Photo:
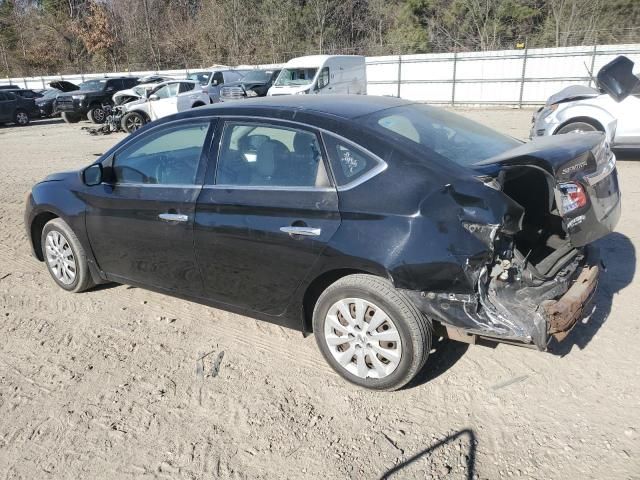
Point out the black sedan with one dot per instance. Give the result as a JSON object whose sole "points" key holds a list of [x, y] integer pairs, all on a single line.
{"points": [[369, 221]]}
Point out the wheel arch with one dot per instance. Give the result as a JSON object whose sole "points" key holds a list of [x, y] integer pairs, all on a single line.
{"points": [[35, 229], [590, 120], [198, 103], [318, 285]]}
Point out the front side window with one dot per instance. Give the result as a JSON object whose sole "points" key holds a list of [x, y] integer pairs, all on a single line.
{"points": [[270, 156], [167, 91], [217, 78], [323, 78], [296, 76], [169, 156]]}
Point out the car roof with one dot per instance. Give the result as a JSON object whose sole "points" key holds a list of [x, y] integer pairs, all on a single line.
{"points": [[345, 106]]}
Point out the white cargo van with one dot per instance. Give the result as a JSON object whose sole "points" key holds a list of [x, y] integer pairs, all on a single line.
{"points": [[322, 74]]}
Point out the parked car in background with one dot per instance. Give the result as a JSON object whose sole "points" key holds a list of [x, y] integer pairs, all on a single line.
{"points": [[27, 93], [139, 91], [322, 74], [165, 99], [255, 83], [45, 103], [16, 109], [9, 87], [282, 218], [212, 80], [90, 98], [579, 109]]}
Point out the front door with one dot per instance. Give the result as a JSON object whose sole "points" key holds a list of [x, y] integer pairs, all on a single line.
{"points": [[265, 216], [140, 223], [166, 103]]}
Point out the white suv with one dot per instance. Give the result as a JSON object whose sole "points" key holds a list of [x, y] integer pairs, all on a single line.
{"points": [[165, 99]]}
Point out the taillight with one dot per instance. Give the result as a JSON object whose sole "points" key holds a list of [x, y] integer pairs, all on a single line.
{"points": [[572, 197]]}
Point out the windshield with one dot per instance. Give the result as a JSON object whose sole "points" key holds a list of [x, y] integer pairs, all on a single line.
{"points": [[259, 76], [93, 85], [451, 136], [296, 76], [201, 77], [51, 93]]}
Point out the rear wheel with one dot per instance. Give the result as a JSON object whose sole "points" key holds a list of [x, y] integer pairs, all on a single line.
{"points": [[65, 257], [70, 117], [577, 127], [97, 114], [21, 118], [132, 121], [371, 333]]}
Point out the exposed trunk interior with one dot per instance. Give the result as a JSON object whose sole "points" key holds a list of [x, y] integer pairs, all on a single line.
{"points": [[542, 242]]}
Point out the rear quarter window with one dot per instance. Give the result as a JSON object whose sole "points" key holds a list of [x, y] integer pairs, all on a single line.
{"points": [[351, 164]]}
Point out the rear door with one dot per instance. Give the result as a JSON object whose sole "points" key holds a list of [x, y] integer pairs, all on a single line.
{"points": [[187, 96], [140, 223], [6, 108], [265, 214], [167, 102]]}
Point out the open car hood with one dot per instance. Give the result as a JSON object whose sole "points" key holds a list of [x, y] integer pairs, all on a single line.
{"points": [[573, 92], [64, 86]]}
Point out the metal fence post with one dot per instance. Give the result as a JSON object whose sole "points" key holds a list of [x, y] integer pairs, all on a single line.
{"points": [[399, 73], [524, 71], [593, 63], [453, 80]]}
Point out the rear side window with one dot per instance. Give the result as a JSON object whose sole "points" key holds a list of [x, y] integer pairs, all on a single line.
{"points": [[129, 82], [261, 155], [350, 163], [186, 87], [169, 156], [3, 97]]}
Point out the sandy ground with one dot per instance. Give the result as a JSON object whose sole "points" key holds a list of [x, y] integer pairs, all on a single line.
{"points": [[121, 382]]}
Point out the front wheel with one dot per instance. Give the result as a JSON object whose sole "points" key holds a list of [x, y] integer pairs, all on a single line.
{"points": [[97, 115], [65, 257], [132, 121], [70, 117], [370, 333], [577, 127]]}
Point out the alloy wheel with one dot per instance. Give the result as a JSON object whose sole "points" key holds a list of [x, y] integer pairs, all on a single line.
{"points": [[22, 118], [60, 257], [133, 123], [362, 338]]}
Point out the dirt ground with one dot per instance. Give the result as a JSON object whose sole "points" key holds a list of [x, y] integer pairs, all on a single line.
{"points": [[121, 382]]}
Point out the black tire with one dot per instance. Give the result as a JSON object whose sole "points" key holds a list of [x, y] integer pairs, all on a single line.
{"points": [[83, 280], [413, 327], [132, 121], [97, 114], [21, 117], [577, 127], [70, 117]]}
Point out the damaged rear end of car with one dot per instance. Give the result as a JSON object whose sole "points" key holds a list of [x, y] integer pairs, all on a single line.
{"points": [[535, 209]]}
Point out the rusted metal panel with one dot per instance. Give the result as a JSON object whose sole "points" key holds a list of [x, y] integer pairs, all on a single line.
{"points": [[563, 314]]}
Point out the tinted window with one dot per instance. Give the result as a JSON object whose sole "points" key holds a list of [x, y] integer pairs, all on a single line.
{"points": [[186, 87], [3, 97], [10, 96], [168, 156], [264, 155], [451, 136], [129, 82], [348, 161], [115, 84], [217, 77]]}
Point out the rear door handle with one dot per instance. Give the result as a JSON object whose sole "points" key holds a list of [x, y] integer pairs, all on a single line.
{"points": [[304, 231], [173, 217]]}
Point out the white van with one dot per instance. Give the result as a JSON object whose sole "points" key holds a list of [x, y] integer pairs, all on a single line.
{"points": [[322, 74]]}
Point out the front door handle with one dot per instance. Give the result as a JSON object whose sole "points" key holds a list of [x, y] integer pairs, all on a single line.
{"points": [[304, 231], [173, 217]]}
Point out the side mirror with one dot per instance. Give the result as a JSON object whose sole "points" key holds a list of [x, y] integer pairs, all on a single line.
{"points": [[92, 175], [214, 83], [154, 97], [616, 78]]}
